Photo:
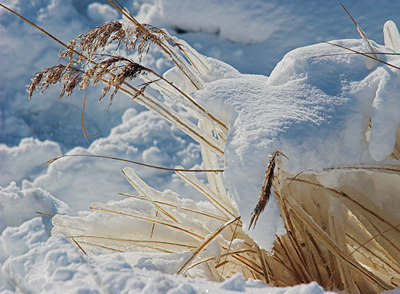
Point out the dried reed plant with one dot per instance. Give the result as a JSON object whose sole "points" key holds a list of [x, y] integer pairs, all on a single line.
{"points": [[354, 250]]}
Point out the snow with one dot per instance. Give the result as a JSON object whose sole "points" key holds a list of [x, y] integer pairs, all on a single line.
{"points": [[38, 263], [304, 107], [26, 201], [310, 105], [101, 13]]}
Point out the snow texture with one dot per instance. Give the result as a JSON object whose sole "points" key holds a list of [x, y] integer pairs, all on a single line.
{"points": [[37, 263], [315, 110]]}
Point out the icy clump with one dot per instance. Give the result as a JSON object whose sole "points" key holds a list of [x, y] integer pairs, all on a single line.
{"points": [[316, 110]]}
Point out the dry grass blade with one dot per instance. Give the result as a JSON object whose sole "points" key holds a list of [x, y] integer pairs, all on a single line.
{"points": [[196, 211], [388, 168], [144, 217], [363, 245], [231, 253], [229, 248], [363, 36], [263, 263], [133, 162], [79, 246], [265, 190], [204, 189], [45, 214], [363, 54], [97, 245], [144, 241], [205, 243], [85, 132], [352, 53]]}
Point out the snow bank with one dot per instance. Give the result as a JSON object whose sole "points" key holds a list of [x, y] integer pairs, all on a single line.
{"points": [[260, 21]]}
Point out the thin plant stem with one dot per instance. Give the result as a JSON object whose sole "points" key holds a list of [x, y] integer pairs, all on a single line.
{"points": [[135, 162]]}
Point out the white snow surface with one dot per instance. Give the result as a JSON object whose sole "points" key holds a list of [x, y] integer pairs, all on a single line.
{"points": [[314, 110]]}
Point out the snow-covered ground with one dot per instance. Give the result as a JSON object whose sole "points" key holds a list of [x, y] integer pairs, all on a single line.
{"points": [[251, 36]]}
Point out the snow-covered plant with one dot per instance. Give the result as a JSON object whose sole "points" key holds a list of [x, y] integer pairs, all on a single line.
{"points": [[336, 230]]}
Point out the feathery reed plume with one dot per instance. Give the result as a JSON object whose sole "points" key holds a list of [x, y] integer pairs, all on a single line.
{"points": [[147, 99], [149, 34], [71, 76], [265, 190], [96, 40], [144, 39], [120, 68]]}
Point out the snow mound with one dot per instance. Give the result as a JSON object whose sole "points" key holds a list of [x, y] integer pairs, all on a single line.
{"points": [[320, 107]]}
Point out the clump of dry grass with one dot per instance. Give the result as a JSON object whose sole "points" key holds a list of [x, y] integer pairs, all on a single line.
{"points": [[353, 249]]}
